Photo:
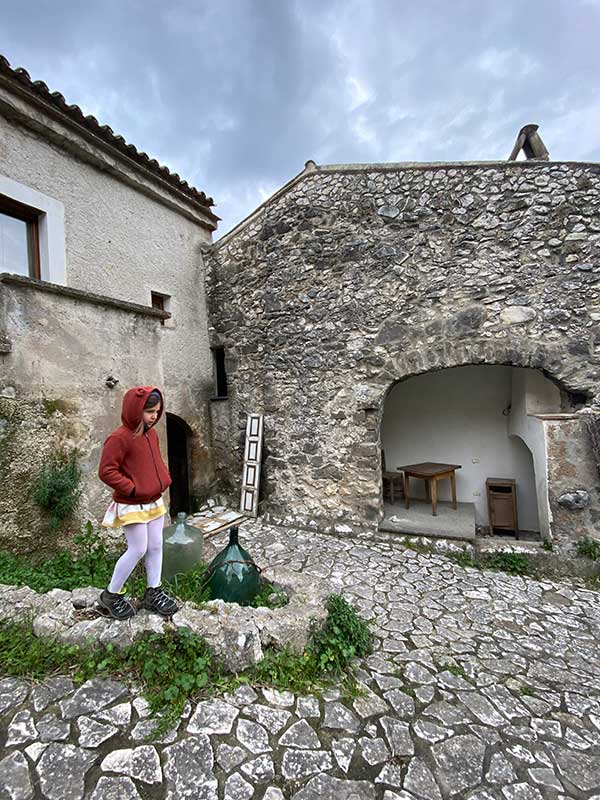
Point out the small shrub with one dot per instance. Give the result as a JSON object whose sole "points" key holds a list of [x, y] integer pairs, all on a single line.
{"points": [[93, 566], [343, 636], [527, 691], [57, 488], [286, 670], [463, 559], [24, 654], [93, 551], [548, 545], [190, 585], [513, 563], [270, 597], [589, 548]]}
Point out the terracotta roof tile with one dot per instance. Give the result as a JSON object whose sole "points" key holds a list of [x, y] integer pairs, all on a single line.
{"points": [[106, 133]]}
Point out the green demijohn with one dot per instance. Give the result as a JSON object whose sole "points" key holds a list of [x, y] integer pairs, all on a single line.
{"points": [[233, 575], [183, 548]]}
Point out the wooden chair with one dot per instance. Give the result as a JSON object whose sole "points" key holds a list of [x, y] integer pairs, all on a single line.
{"points": [[392, 481]]}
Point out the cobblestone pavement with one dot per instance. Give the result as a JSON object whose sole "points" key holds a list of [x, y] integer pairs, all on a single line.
{"points": [[483, 686]]}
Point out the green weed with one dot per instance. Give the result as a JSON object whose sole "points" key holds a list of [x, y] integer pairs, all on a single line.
{"points": [[269, 596], [456, 670], [91, 565], [589, 548], [24, 654], [463, 559], [57, 488], [513, 563], [344, 636], [416, 546]]}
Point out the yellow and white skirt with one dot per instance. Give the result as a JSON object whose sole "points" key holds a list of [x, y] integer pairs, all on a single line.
{"points": [[118, 514]]}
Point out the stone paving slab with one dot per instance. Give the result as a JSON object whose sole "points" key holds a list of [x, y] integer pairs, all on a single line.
{"points": [[482, 686]]}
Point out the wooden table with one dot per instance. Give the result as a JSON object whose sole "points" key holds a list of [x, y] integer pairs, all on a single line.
{"points": [[430, 472]]}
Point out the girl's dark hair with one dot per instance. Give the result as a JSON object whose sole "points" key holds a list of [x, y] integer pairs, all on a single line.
{"points": [[153, 398]]}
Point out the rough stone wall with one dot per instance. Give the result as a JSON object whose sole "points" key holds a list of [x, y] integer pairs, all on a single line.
{"points": [[351, 279], [571, 472], [53, 396], [125, 238]]}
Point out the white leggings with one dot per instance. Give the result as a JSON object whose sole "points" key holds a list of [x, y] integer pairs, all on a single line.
{"points": [[143, 539]]}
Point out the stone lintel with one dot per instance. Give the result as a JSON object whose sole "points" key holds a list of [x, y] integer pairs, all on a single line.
{"points": [[555, 416]]}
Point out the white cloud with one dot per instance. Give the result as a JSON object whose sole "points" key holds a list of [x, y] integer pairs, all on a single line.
{"points": [[504, 63], [358, 91]]}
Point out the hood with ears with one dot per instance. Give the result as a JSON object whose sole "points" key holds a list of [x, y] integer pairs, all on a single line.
{"points": [[133, 405]]}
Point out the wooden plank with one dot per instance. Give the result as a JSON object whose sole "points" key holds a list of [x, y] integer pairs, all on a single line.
{"points": [[210, 526]]}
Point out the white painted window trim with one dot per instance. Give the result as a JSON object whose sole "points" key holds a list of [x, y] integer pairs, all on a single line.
{"points": [[51, 228]]}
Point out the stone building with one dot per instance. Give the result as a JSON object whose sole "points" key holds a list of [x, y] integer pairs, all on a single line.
{"points": [[101, 288], [437, 312], [428, 312]]}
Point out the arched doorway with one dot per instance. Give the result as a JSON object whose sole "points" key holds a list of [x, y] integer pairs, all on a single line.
{"points": [[482, 417], [178, 445]]}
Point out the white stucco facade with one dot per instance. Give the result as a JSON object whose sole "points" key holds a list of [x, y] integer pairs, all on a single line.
{"points": [[110, 227]]}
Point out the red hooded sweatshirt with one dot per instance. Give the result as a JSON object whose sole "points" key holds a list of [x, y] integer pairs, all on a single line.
{"points": [[132, 465]]}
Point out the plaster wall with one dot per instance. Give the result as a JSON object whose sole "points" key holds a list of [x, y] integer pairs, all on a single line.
{"points": [[53, 397], [354, 277], [456, 416], [125, 237], [533, 394], [541, 395]]}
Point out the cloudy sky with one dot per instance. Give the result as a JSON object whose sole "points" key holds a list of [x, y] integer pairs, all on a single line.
{"points": [[236, 95]]}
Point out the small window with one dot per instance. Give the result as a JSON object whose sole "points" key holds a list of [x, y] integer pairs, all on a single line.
{"points": [[162, 302], [219, 371], [19, 238]]}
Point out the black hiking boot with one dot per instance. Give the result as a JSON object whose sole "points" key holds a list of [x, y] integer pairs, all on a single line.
{"points": [[115, 605], [155, 599]]}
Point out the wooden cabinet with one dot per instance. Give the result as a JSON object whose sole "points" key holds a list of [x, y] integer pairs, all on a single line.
{"points": [[502, 505]]}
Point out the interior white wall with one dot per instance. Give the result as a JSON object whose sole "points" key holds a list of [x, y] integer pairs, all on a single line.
{"points": [[532, 393], [541, 395], [456, 416]]}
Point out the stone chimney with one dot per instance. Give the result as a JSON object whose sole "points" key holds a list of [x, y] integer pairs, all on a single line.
{"points": [[531, 143]]}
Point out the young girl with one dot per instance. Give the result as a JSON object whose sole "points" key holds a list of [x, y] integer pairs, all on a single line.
{"points": [[131, 464]]}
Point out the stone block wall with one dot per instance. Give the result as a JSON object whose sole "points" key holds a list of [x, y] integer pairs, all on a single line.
{"points": [[353, 278], [573, 479]]}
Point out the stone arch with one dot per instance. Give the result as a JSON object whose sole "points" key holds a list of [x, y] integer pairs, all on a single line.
{"points": [[552, 361]]}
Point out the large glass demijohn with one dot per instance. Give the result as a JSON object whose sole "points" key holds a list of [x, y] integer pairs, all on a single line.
{"points": [[233, 575], [182, 548]]}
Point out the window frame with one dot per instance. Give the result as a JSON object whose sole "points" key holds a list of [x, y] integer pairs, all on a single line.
{"points": [[10, 207], [161, 302]]}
